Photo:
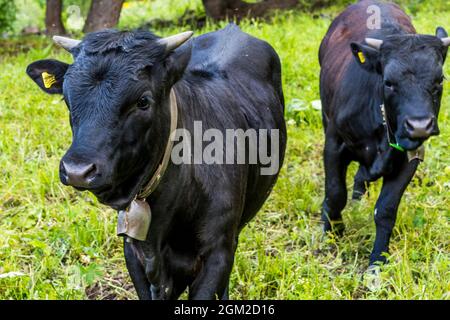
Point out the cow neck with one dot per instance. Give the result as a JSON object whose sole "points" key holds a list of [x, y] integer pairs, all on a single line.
{"points": [[389, 131], [160, 170]]}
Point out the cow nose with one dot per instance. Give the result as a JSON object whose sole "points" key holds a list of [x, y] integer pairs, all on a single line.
{"points": [[77, 174], [420, 128]]}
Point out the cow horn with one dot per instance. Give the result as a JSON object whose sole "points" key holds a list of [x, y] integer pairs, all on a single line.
{"points": [[374, 43], [66, 43], [175, 41], [446, 41]]}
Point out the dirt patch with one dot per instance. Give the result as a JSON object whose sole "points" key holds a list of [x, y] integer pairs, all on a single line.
{"points": [[118, 287]]}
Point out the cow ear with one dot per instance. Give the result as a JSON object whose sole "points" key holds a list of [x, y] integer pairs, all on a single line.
{"points": [[367, 57], [48, 75], [177, 61], [442, 34]]}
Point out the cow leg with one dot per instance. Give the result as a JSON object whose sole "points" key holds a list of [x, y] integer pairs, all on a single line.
{"points": [[360, 184], [336, 163], [161, 283], [386, 208], [182, 265], [212, 280], [226, 294], [137, 272], [179, 286], [146, 266]]}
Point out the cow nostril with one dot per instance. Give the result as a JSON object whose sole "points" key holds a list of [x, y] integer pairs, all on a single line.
{"points": [[90, 171], [419, 128], [430, 125], [78, 175], [409, 126], [62, 168]]}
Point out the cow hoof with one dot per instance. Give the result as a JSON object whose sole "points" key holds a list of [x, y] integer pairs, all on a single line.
{"points": [[334, 228], [372, 278]]}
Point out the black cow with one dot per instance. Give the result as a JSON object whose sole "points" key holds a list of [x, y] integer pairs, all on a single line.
{"points": [[118, 91], [365, 73]]}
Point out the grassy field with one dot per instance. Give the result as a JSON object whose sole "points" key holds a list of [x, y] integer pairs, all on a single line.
{"points": [[57, 243]]}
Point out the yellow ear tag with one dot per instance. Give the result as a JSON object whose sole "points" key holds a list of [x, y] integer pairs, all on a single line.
{"points": [[49, 79], [361, 56]]}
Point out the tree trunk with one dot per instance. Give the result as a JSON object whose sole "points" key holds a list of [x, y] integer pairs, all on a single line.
{"points": [[215, 9], [221, 9], [103, 14], [53, 22]]}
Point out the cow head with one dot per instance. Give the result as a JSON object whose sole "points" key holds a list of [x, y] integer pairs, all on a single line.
{"points": [[117, 92], [411, 68]]}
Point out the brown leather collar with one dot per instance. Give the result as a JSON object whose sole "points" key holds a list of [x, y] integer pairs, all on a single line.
{"points": [[134, 222], [154, 181]]}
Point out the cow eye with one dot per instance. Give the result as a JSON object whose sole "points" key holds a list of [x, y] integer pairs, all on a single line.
{"points": [[437, 90], [389, 85], [144, 102], [438, 86]]}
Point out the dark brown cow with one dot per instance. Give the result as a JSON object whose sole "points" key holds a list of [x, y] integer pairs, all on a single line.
{"points": [[381, 91]]}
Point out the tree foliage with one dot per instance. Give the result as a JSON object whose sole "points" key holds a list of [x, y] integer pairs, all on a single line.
{"points": [[7, 15]]}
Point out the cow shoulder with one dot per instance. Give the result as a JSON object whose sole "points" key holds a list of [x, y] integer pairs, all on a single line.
{"points": [[231, 51]]}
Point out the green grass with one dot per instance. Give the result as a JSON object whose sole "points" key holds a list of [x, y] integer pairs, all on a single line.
{"points": [[62, 244]]}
